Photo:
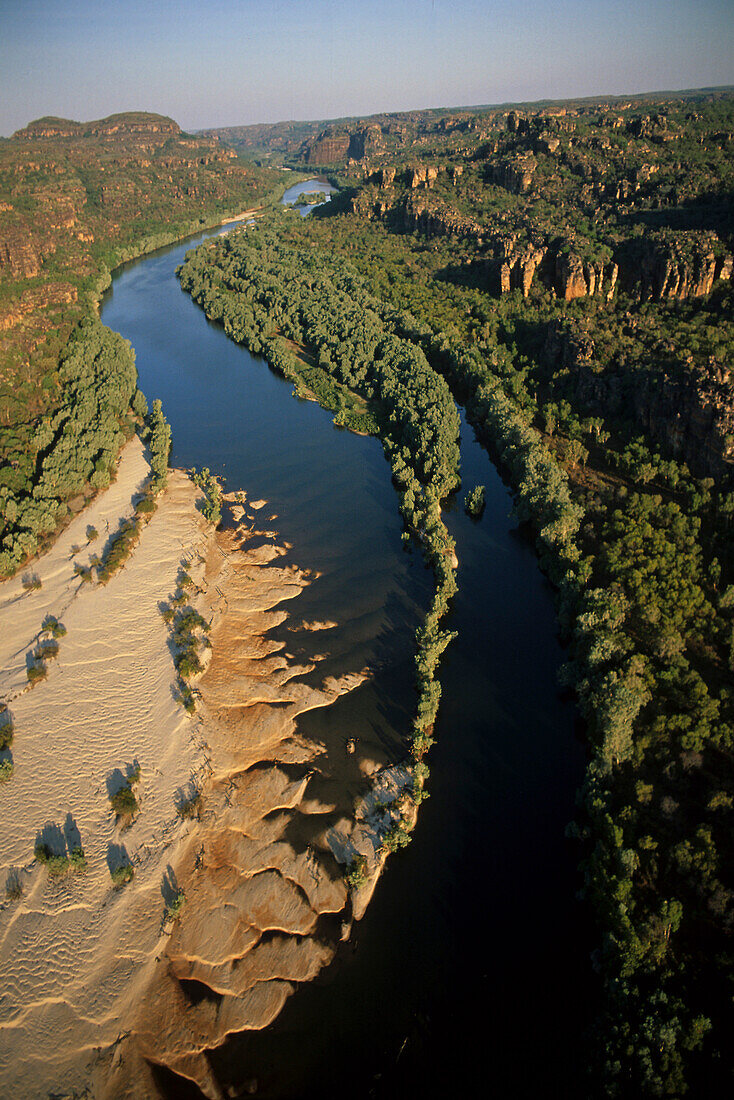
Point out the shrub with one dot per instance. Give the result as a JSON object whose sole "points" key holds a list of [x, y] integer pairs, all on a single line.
{"points": [[397, 836], [124, 802], [188, 700], [190, 807], [355, 875], [7, 729], [175, 906], [122, 874], [36, 673], [92, 533], [6, 769], [47, 650], [52, 625], [474, 502], [78, 859], [146, 506], [187, 665], [14, 886], [32, 583], [41, 852], [56, 864]]}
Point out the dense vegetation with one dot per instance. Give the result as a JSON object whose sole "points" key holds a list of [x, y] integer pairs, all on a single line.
{"points": [[76, 200], [579, 305], [565, 274], [308, 315]]}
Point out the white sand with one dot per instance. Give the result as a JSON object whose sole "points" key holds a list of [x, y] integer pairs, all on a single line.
{"points": [[94, 979], [75, 951]]}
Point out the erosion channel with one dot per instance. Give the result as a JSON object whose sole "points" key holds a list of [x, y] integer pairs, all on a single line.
{"points": [[471, 964]]}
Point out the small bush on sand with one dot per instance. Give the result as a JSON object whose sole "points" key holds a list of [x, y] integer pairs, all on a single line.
{"points": [[355, 875], [146, 506], [51, 625], [13, 886], [175, 906], [47, 650], [36, 673], [55, 864], [189, 807], [7, 729], [124, 802], [31, 582], [78, 859], [122, 874], [187, 665], [92, 533], [6, 770], [188, 699]]}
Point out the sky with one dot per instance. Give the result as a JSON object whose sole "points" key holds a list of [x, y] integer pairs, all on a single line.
{"points": [[213, 63]]}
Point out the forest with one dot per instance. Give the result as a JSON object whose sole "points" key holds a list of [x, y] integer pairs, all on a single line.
{"points": [[610, 414], [564, 274], [76, 201]]}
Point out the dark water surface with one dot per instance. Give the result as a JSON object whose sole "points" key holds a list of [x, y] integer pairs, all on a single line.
{"points": [[469, 974]]}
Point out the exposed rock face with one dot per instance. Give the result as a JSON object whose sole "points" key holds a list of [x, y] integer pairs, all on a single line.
{"points": [[694, 416], [546, 143], [691, 412], [383, 177], [49, 127], [576, 278], [333, 145], [423, 175], [131, 122], [514, 173], [415, 216], [682, 265], [519, 264], [53, 294], [19, 256]]}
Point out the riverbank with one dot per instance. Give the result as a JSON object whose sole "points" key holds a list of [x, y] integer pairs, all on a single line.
{"points": [[95, 949], [75, 949]]}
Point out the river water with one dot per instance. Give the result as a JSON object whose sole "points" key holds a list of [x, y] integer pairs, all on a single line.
{"points": [[470, 971]]}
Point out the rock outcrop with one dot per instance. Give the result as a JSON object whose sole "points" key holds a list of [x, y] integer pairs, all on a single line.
{"points": [[514, 173], [682, 265], [518, 265], [689, 410], [577, 278], [19, 254], [421, 176], [332, 146]]}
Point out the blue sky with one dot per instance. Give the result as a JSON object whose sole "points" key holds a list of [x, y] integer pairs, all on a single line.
{"points": [[228, 62]]}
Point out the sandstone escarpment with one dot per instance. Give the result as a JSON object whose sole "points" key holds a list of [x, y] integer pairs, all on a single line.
{"points": [[682, 265], [128, 122], [334, 145], [518, 265], [514, 173], [432, 219], [267, 903], [19, 254], [577, 278], [688, 410]]}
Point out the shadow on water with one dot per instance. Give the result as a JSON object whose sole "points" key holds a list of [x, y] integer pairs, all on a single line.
{"points": [[470, 970]]}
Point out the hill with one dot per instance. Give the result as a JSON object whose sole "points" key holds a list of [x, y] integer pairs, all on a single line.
{"points": [[76, 200]]}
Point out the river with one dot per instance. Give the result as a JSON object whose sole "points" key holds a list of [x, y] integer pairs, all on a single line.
{"points": [[470, 970]]}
